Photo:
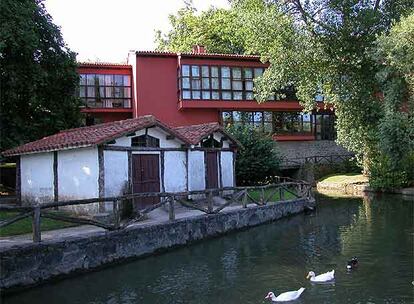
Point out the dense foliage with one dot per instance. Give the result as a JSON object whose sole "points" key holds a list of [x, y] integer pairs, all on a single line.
{"points": [[340, 49], [251, 169], [38, 75]]}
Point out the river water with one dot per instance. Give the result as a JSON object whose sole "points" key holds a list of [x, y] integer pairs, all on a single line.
{"points": [[242, 267]]}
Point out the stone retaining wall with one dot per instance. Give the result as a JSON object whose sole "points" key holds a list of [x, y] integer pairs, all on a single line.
{"points": [[31, 264]]}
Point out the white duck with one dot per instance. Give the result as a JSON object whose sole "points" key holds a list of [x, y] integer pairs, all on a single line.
{"points": [[286, 296], [324, 277]]}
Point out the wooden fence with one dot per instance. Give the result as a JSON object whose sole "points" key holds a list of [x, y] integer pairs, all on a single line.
{"points": [[258, 195]]}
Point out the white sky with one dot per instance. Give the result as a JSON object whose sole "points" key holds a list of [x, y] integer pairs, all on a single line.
{"points": [[106, 30]]}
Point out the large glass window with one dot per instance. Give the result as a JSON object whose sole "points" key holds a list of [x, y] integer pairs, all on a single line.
{"points": [[105, 91], [321, 125], [219, 82]]}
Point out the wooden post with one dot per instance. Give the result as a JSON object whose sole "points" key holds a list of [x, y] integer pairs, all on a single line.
{"points": [[281, 194], [36, 224], [210, 202], [116, 214], [244, 200], [262, 197], [171, 210]]}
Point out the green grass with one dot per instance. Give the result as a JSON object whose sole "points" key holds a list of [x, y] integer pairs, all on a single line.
{"points": [[347, 178], [25, 225], [256, 194]]}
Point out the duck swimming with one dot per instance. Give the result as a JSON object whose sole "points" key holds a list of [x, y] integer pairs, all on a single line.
{"points": [[352, 264], [324, 277], [286, 296]]}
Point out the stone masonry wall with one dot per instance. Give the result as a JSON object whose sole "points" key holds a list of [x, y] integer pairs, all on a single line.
{"points": [[301, 149], [31, 264]]}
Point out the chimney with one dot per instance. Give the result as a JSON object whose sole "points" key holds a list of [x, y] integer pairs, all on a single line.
{"points": [[199, 48]]}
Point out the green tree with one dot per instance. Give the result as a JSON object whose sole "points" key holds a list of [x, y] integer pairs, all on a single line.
{"points": [[38, 75], [251, 169], [215, 29]]}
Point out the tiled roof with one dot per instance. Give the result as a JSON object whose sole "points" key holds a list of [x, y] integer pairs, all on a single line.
{"points": [[90, 136], [199, 55], [195, 133]]}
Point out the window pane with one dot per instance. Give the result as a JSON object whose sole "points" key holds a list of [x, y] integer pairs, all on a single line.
{"points": [[214, 71], [196, 94], [205, 71], [267, 116], [127, 103], [101, 92], [258, 72], [91, 91], [195, 84], [249, 96], [127, 92], [195, 70], [90, 79], [185, 83], [82, 79], [109, 92], [248, 85], [225, 72], [225, 84], [237, 116], [119, 80], [186, 95], [268, 127], [237, 95], [236, 73], [227, 117], [118, 92], [101, 79], [185, 70], [258, 116], [237, 85], [127, 80], [109, 80], [215, 95], [248, 73], [206, 83], [215, 83], [82, 91], [226, 95], [306, 117], [206, 94]]}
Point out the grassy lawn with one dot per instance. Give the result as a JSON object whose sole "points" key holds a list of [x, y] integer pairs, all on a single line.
{"points": [[347, 178], [25, 225], [256, 194]]}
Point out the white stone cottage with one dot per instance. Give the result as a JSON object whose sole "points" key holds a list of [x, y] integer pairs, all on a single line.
{"points": [[129, 156]]}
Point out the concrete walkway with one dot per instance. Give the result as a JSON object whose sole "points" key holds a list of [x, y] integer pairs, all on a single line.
{"points": [[155, 217]]}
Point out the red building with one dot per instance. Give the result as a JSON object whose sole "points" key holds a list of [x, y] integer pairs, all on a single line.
{"points": [[192, 88]]}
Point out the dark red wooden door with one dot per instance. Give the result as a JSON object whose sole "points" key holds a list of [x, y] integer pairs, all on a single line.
{"points": [[212, 172], [145, 178]]}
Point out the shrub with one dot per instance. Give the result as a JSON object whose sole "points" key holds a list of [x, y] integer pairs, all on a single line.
{"points": [[258, 160]]}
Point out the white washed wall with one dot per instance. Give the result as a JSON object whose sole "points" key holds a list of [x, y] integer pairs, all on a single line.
{"points": [[154, 132], [37, 177], [227, 169], [196, 171], [175, 171], [78, 172], [116, 172]]}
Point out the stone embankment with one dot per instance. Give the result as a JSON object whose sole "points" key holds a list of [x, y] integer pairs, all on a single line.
{"points": [[30, 263]]}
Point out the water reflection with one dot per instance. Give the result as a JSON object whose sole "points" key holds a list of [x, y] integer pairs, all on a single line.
{"points": [[242, 267]]}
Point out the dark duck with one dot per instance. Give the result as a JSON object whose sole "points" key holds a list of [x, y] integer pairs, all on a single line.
{"points": [[352, 264]]}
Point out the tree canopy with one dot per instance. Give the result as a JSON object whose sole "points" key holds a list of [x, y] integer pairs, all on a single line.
{"points": [[38, 75], [344, 50]]}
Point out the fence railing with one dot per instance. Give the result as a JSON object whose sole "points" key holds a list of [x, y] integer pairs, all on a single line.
{"points": [[316, 159], [240, 196]]}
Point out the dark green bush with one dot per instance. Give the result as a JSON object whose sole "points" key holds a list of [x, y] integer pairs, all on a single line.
{"points": [[258, 160]]}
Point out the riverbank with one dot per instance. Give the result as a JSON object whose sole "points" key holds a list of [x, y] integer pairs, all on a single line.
{"points": [[353, 184], [26, 264]]}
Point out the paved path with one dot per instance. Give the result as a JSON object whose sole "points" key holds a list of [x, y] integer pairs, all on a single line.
{"points": [[155, 217]]}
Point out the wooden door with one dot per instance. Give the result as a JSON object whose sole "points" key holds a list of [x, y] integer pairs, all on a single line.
{"points": [[212, 170], [145, 178]]}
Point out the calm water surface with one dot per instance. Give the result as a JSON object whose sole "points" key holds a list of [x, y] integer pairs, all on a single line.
{"points": [[242, 267]]}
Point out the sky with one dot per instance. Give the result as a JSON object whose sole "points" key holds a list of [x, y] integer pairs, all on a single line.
{"points": [[105, 30]]}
